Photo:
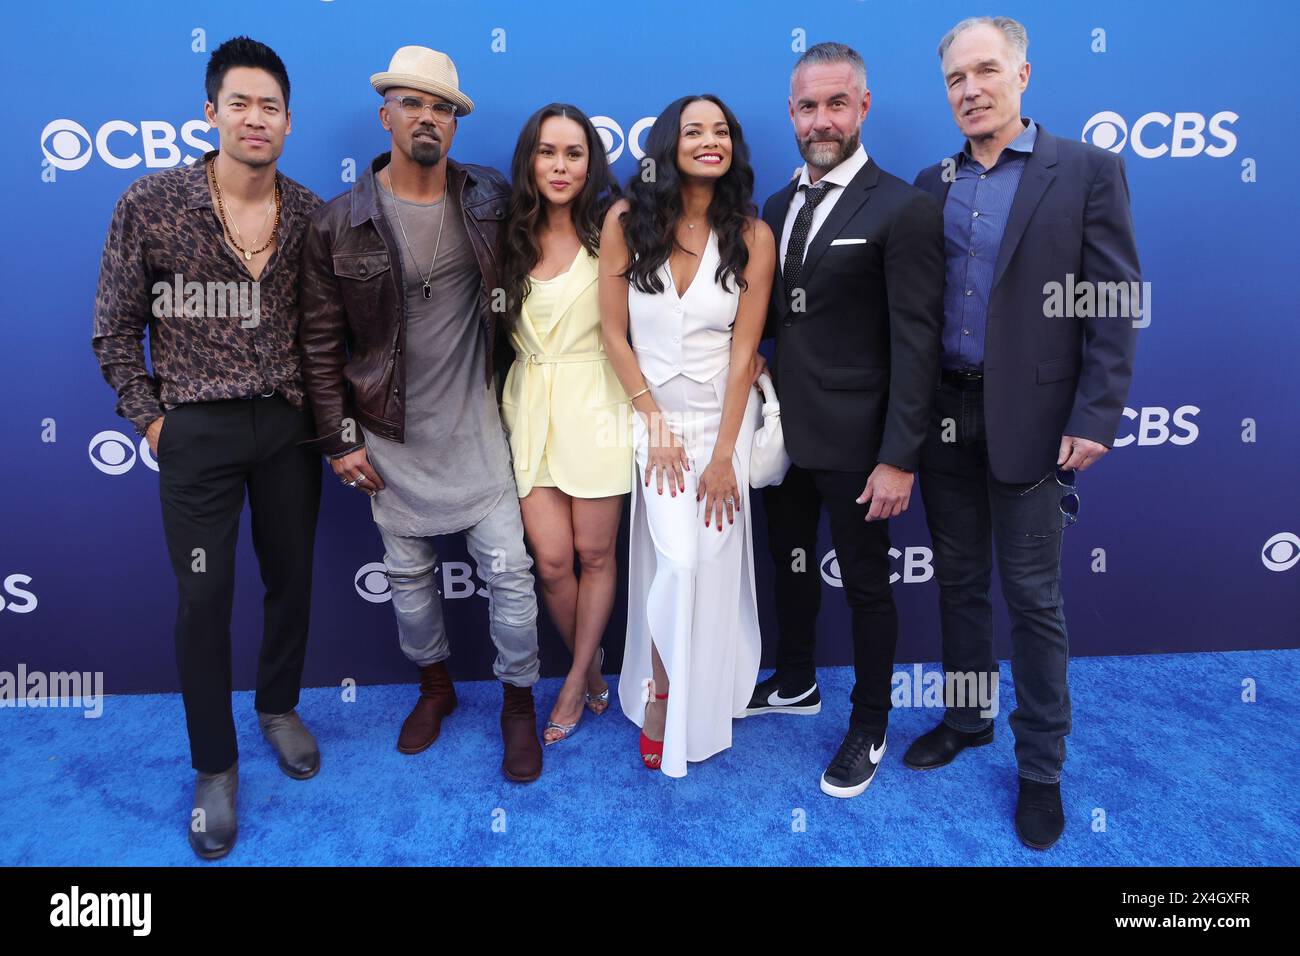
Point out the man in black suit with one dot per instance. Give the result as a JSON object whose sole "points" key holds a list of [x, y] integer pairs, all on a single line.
{"points": [[856, 310], [1028, 397]]}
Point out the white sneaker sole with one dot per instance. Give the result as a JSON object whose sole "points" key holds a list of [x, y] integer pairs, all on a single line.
{"points": [[804, 711], [831, 790]]}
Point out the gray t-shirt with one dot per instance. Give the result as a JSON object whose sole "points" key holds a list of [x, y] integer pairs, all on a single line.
{"points": [[455, 463]]}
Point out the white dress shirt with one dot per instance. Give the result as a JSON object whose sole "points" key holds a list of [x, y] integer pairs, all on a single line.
{"points": [[841, 176]]}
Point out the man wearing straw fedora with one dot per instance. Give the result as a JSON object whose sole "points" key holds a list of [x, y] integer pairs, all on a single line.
{"points": [[398, 278]]}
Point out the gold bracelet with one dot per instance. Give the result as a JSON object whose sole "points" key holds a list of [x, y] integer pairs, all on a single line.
{"points": [[632, 398]]}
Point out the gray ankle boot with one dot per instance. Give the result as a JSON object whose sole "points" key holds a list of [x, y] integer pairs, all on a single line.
{"points": [[293, 743], [213, 822]]}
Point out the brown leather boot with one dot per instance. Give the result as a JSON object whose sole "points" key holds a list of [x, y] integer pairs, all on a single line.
{"points": [[523, 759], [437, 700]]}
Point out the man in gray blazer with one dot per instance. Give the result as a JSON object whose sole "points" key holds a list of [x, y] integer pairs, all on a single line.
{"points": [[1032, 388]]}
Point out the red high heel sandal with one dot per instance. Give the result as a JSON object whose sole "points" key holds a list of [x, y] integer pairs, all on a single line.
{"points": [[652, 751]]}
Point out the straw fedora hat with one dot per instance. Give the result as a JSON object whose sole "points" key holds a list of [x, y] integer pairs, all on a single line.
{"points": [[426, 70]]}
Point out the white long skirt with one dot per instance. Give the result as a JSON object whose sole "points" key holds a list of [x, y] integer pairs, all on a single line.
{"points": [[690, 587]]}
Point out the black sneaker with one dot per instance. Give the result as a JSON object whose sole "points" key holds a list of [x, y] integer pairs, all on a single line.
{"points": [[854, 765], [771, 698]]}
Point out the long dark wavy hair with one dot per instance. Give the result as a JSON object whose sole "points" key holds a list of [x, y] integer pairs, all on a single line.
{"points": [[527, 206], [650, 224]]}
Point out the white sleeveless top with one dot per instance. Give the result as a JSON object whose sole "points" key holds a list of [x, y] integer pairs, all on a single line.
{"points": [[688, 335]]}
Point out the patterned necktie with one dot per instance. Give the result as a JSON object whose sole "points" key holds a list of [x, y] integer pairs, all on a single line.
{"points": [[799, 234]]}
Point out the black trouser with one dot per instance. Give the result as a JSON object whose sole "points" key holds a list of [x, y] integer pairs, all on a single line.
{"points": [[972, 517], [208, 453], [862, 551]]}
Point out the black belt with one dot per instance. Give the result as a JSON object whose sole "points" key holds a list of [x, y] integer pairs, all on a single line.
{"points": [[169, 406], [965, 379]]}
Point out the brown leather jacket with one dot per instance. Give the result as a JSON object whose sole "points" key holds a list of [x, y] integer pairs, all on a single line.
{"points": [[353, 326]]}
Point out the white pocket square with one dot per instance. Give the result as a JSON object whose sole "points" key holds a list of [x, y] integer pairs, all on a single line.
{"points": [[847, 242]]}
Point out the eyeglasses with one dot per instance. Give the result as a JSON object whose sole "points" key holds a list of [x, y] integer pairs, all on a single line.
{"points": [[414, 108], [1067, 479]]}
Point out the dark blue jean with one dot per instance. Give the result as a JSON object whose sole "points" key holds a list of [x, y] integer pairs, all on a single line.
{"points": [[973, 518]]}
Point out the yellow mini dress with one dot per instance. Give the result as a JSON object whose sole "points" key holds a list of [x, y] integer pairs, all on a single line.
{"points": [[562, 406]]}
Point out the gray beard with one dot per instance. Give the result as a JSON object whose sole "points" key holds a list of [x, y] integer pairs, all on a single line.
{"points": [[846, 149]]}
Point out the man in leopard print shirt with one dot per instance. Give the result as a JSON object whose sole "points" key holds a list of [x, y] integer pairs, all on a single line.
{"points": [[206, 258]]}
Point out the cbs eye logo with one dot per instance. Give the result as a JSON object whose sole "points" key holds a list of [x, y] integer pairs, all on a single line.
{"points": [[115, 454], [371, 582], [611, 134], [918, 566], [66, 144], [453, 579], [831, 569], [1182, 134], [1106, 130], [1281, 552], [157, 144]]}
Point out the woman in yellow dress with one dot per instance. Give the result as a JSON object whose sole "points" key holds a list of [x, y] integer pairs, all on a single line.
{"points": [[562, 405]]}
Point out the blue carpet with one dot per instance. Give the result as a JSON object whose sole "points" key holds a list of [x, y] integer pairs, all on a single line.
{"points": [[1184, 771]]}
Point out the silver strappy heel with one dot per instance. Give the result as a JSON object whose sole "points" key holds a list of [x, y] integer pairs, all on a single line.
{"points": [[603, 696], [566, 731]]}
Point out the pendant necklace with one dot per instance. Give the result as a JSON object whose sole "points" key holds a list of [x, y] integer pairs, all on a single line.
{"points": [[428, 289], [249, 252]]}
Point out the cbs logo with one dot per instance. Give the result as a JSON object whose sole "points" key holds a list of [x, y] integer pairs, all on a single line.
{"points": [[611, 134], [1184, 134], [1154, 426], [68, 145], [917, 567], [115, 454], [372, 584], [1281, 552], [25, 600]]}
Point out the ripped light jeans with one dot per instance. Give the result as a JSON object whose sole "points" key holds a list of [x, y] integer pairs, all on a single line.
{"points": [[497, 546]]}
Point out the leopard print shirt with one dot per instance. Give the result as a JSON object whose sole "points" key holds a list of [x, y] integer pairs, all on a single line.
{"points": [[214, 332]]}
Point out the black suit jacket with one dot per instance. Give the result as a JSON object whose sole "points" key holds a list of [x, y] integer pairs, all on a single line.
{"points": [[1047, 377], [856, 368]]}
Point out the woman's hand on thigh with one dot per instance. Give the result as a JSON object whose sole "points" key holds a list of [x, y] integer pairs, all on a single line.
{"points": [[719, 491]]}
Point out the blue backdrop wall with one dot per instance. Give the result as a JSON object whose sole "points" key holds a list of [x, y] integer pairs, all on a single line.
{"points": [[1188, 535]]}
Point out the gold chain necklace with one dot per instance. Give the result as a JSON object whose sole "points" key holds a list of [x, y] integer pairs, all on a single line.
{"points": [[226, 224]]}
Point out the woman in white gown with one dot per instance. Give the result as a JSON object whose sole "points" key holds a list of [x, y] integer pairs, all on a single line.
{"points": [[686, 268]]}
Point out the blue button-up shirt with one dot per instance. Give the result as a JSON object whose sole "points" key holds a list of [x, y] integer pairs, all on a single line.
{"points": [[974, 219]]}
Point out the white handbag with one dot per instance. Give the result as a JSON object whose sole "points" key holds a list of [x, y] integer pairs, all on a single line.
{"points": [[768, 461]]}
